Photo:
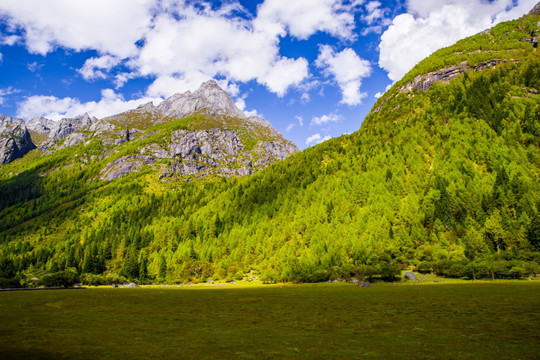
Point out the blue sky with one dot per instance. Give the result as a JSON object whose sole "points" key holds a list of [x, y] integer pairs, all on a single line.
{"points": [[313, 68]]}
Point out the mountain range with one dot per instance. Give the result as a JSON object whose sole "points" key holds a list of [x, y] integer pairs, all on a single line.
{"points": [[442, 177]]}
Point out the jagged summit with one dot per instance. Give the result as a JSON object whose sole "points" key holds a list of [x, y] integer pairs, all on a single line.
{"points": [[15, 139], [209, 99]]}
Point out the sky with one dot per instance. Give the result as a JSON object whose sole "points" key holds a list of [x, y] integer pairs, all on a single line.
{"points": [[313, 68]]}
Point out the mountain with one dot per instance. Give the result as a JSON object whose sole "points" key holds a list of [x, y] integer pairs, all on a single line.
{"points": [[15, 139], [192, 134], [442, 177]]}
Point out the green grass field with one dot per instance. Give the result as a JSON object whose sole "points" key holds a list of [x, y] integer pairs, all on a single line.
{"points": [[498, 320]]}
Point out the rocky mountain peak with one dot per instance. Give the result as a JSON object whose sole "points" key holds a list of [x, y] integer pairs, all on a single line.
{"points": [[15, 140], [208, 99]]}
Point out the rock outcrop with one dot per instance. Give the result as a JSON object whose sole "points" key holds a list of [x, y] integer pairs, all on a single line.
{"points": [[425, 81], [65, 127], [209, 99], [15, 139]]}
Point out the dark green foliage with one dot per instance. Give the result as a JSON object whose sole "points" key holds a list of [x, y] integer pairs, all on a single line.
{"points": [[66, 279]]}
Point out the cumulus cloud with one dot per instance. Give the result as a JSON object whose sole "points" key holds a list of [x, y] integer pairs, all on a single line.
{"points": [[95, 67], [316, 139], [431, 25], [107, 26], [324, 119], [222, 46], [55, 108], [347, 69], [300, 120], [303, 18]]}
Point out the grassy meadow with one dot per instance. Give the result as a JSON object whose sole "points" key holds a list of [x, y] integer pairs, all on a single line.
{"points": [[499, 320]]}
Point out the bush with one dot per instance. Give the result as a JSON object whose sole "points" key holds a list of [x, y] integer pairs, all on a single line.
{"points": [[318, 276], [425, 267], [115, 279], [455, 270], [95, 280], [477, 270], [65, 279], [517, 272]]}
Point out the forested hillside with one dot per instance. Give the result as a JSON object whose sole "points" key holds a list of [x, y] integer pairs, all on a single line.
{"points": [[442, 177]]}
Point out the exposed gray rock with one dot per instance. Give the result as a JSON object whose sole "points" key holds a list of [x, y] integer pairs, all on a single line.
{"points": [[208, 99], [15, 139], [276, 149], [425, 81], [364, 284], [66, 126], [409, 276], [41, 125], [101, 126], [73, 139], [125, 165]]}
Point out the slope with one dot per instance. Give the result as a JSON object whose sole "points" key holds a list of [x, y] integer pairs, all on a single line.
{"points": [[442, 177]]}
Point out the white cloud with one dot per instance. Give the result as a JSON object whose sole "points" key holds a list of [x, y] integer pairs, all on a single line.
{"points": [[303, 18], [121, 78], [9, 39], [300, 120], [348, 70], [7, 91], [250, 113], [222, 46], [55, 108], [92, 68], [431, 25], [324, 119], [290, 127], [1, 57], [34, 66], [316, 139], [374, 12], [107, 26]]}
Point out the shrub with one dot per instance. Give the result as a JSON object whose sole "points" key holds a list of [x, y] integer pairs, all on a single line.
{"points": [[66, 279], [425, 267], [455, 270], [517, 272]]}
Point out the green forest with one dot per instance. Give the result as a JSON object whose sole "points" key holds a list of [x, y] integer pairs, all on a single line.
{"points": [[444, 181]]}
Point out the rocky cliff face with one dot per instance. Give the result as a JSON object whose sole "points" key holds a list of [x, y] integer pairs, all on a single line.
{"points": [[425, 81], [15, 139]]}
